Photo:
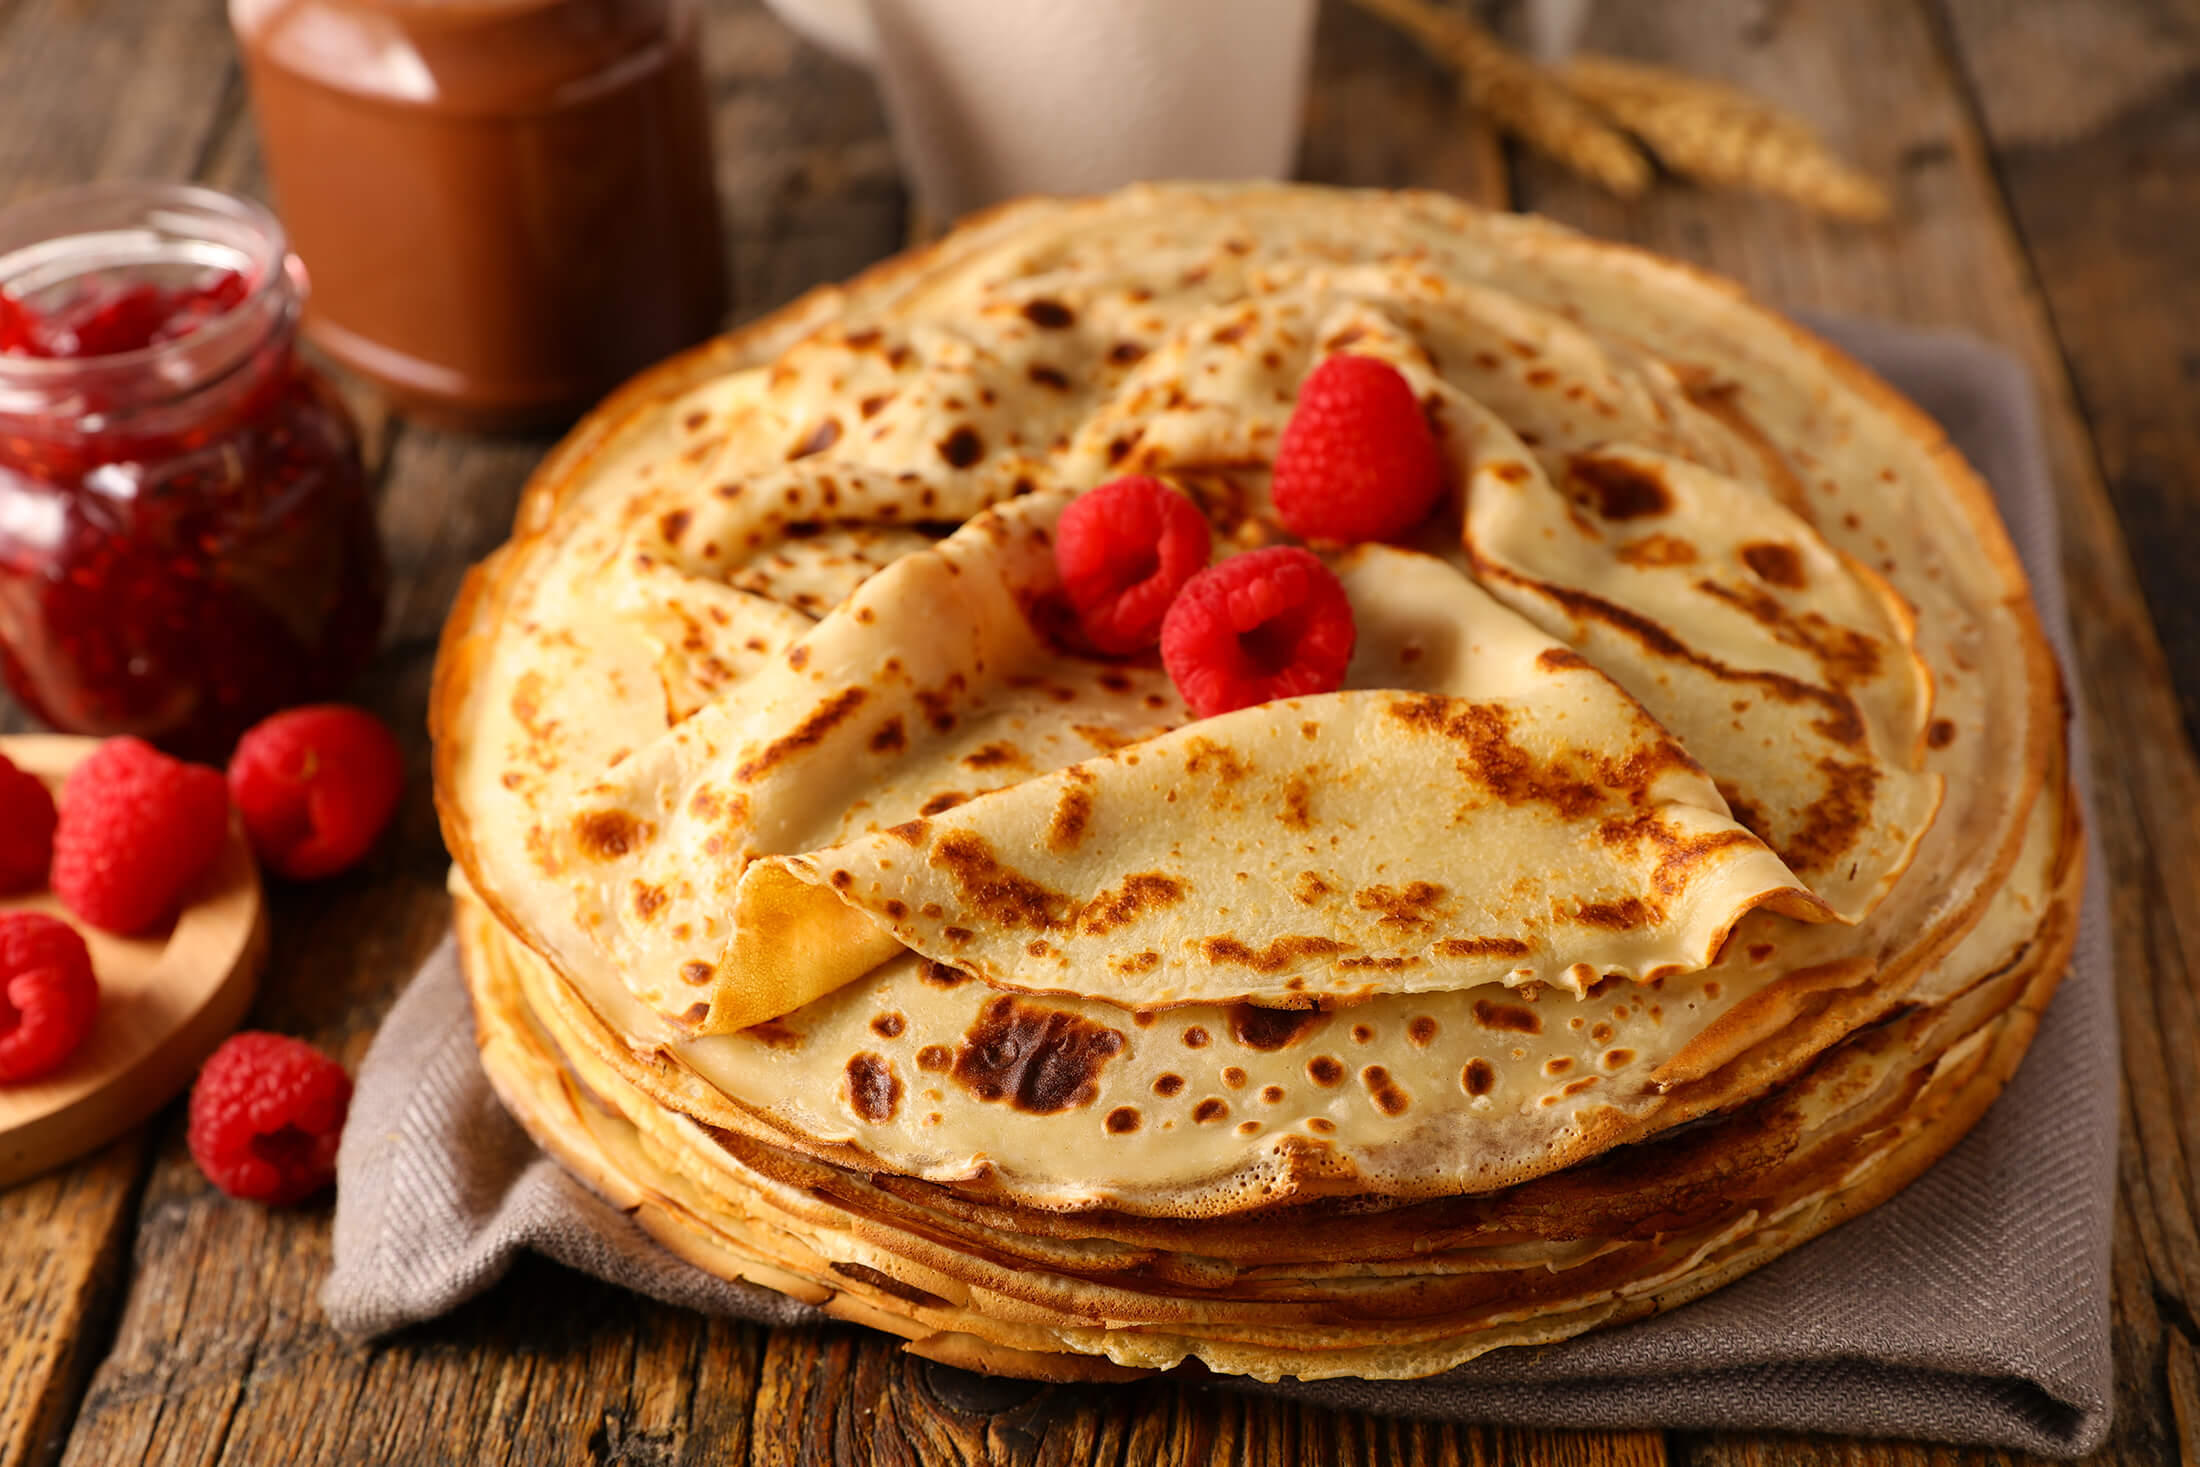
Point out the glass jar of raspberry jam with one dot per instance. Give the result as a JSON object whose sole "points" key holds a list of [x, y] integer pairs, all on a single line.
{"points": [[187, 541]]}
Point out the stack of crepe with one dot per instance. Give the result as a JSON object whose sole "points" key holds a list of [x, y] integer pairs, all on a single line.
{"points": [[1682, 867]]}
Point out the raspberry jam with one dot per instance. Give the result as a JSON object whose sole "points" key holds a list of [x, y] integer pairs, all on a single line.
{"points": [[187, 542]]}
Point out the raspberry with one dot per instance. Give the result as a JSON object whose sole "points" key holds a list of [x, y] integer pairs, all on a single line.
{"points": [[1125, 549], [315, 786], [48, 996], [1357, 461], [1267, 624], [26, 829], [266, 1115], [137, 831]]}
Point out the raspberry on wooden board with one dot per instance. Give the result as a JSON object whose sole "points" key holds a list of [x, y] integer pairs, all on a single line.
{"points": [[26, 829], [137, 830], [48, 995]]}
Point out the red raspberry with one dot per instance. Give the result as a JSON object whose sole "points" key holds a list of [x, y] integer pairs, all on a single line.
{"points": [[1125, 549], [266, 1115], [48, 996], [315, 787], [1357, 461], [137, 831], [26, 829], [1267, 624]]}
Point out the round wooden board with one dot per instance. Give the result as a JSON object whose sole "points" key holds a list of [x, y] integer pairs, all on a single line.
{"points": [[165, 999]]}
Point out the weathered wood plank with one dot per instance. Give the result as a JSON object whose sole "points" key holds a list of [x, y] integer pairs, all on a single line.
{"points": [[67, 1235], [2092, 114], [1876, 78], [62, 65]]}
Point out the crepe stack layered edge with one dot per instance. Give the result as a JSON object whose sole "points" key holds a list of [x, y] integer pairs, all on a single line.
{"points": [[1682, 868]]}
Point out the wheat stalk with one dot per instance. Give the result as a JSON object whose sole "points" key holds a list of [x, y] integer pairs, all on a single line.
{"points": [[1722, 135], [1520, 97]]}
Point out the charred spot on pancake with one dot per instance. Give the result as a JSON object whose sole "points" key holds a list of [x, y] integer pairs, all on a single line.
{"points": [[942, 975], [1405, 907], [1481, 947], [1119, 447], [1614, 1058], [1213, 1108], [1271, 1095], [1297, 803], [1123, 1120], [962, 448], [1039, 1060], [1513, 1017], [774, 1035], [911, 832], [1049, 315], [1614, 488], [888, 1025], [1140, 893], [1167, 1085], [870, 406], [1846, 655], [1049, 377], [818, 439], [1422, 1030], [1269, 1030], [841, 878], [695, 1014], [942, 802], [999, 754], [1559, 659], [1558, 1065], [1363, 1034], [606, 835], [696, 971], [889, 737], [1196, 1037], [936, 1058], [1508, 771], [1234, 1077], [1003, 896], [1624, 915], [1479, 1077], [807, 734], [1205, 756], [648, 899], [1072, 816], [874, 1090], [1310, 889], [1325, 1070], [1775, 562], [1512, 471], [672, 524], [1321, 1125], [1126, 354], [1131, 964], [1940, 733], [1832, 823], [1279, 954], [1656, 550], [1389, 1097]]}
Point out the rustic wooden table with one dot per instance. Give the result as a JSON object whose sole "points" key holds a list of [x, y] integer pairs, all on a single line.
{"points": [[2046, 161]]}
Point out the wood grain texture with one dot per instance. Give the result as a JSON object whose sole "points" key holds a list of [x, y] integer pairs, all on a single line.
{"points": [[165, 999], [198, 1314]]}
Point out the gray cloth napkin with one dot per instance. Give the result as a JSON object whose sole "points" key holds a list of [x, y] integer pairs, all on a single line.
{"points": [[1971, 1307]]}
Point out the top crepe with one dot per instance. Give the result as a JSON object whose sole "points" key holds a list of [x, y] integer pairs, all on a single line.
{"points": [[1716, 675]]}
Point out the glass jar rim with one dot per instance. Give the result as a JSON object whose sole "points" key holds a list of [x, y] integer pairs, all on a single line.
{"points": [[122, 223], [34, 236]]}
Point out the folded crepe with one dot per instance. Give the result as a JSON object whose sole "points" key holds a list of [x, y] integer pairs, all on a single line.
{"points": [[1699, 765]]}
